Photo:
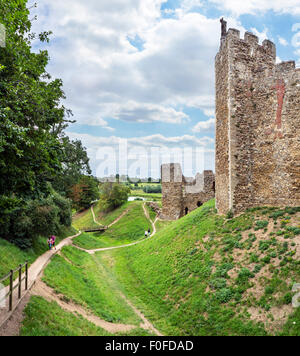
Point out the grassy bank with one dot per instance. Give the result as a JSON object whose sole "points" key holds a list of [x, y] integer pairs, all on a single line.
{"points": [[201, 275], [12, 256], [129, 228], [210, 276]]}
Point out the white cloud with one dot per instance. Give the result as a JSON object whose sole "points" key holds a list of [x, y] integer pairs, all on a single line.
{"points": [[239, 7], [160, 148], [261, 35], [203, 126], [283, 41], [144, 113], [106, 77]]}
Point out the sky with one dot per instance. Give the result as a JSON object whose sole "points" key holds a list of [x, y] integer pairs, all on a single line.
{"points": [[139, 74]]}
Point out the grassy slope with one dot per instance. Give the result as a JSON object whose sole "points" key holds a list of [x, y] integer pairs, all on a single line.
{"points": [[130, 228], [202, 275], [48, 319], [107, 218], [81, 279], [11, 256], [84, 220], [86, 283]]}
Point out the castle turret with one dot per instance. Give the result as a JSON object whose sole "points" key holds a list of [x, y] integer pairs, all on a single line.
{"points": [[172, 183], [257, 104]]}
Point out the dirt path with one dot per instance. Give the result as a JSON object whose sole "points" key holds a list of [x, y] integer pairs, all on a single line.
{"points": [[10, 321], [146, 325], [33, 273], [41, 289], [94, 217], [111, 224]]}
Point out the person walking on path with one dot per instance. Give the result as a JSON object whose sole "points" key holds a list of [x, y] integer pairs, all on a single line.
{"points": [[53, 238], [49, 243], [146, 233], [149, 231]]}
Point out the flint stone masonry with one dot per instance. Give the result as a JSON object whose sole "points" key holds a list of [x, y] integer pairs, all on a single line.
{"points": [[181, 195], [257, 126]]}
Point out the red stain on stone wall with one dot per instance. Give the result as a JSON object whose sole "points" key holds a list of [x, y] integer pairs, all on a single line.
{"points": [[276, 129]]}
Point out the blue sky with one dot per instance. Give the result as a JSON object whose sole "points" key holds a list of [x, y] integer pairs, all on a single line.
{"points": [[143, 70]]}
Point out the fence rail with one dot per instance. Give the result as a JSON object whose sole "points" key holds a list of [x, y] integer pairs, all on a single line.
{"points": [[10, 276], [95, 229]]}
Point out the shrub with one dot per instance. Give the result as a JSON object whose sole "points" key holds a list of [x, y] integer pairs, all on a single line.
{"points": [[261, 224], [113, 195], [152, 188], [229, 214], [32, 218], [65, 209], [244, 276], [224, 295]]}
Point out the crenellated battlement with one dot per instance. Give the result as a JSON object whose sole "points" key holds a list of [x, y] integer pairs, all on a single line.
{"points": [[266, 48], [257, 125]]}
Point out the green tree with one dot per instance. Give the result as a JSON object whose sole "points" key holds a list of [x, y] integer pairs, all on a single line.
{"points": [[113, 195], [75, 163], [85, 192], [30, 109]]}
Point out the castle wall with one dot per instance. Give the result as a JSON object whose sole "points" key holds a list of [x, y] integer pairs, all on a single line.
{"points": [[181, 195], [172, 195], [257, 126]]}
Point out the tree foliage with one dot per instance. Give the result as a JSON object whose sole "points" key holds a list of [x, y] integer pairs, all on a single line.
{"points": [[35, 154], [29, 108], [84, 192], [113, 195]]}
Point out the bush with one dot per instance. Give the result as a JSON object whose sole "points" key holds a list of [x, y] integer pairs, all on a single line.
{"points": [[65, 209], [44, 214], [229, 214], [31, 218], [152, 188], [113, 195]]}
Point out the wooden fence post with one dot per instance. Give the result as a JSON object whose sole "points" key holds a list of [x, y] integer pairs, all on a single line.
{"points": [[11, 282], [20, 282], [26, 275]]}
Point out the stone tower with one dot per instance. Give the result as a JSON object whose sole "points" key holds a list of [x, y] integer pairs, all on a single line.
{"points": [[181, 195], [171, 178], [257, 125]]}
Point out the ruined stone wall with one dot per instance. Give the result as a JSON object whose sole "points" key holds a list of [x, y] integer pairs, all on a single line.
{"points": [[257, 131], [172, 195], [181, 195]]}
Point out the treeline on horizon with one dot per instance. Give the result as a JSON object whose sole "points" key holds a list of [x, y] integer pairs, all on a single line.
{"points": [[43, 174]]}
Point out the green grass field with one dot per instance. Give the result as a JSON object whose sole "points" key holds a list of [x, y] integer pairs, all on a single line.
{"points": [[84, 220], [201, 275], [87, 283], [148, 196], [12, 256], [129, 229], [203, 272], [106, 218], [48, 319]]}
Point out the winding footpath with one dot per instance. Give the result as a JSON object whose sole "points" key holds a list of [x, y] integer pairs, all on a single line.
{"points": [[91, 252], [10, 321]]}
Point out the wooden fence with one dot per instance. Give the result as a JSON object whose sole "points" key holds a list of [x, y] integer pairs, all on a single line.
{"points": [[95, 229], [18, 285]]}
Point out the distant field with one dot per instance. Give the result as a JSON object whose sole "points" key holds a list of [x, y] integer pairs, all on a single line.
{"points": [[150, 196]]}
